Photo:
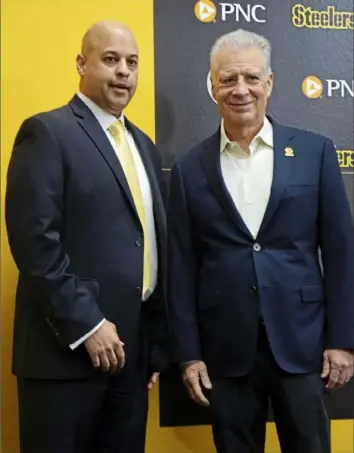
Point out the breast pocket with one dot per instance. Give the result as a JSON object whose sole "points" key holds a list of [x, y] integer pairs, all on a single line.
{"points": [[312, 294], [301, 187], [302, 198]]}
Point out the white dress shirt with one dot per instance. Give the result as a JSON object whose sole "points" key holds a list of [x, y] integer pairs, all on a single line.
{"points": [[248, 177], [106, 120]]}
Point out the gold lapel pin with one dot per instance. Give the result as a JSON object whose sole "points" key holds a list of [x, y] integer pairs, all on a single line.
{"points": [[289, 152]]}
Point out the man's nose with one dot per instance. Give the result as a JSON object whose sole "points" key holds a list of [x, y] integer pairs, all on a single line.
{"points": [[240, 88], [122, 68]]}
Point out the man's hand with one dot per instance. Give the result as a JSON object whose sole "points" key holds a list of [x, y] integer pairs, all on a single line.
{"points": [[105, 348], [338, 367], [192, 374], [153, 380]]}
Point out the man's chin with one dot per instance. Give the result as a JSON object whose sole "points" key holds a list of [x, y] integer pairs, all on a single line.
{"points": [[116, 106], [243, 118]]}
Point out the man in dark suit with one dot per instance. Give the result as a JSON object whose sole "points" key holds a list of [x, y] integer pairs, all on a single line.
{"points": [[252, 316], [87, 229]]}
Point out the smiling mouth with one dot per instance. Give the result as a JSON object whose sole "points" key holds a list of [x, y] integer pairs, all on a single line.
{"points": [[243, 104]]}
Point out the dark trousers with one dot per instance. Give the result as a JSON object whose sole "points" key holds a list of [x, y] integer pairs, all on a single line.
{"points": [[106, 413], [240, 405]]}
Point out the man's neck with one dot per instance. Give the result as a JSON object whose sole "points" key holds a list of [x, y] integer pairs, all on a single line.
{"points": [[242, 134]]}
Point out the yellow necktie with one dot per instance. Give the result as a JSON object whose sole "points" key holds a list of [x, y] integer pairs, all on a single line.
{"points": [[126, 160]]}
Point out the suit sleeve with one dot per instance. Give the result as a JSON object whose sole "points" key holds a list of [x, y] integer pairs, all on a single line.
{"points": [[182, 275], [35, 214], [337, 250]]}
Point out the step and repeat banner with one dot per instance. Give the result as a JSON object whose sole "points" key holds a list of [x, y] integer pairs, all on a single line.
{"points": [[312, 61]]}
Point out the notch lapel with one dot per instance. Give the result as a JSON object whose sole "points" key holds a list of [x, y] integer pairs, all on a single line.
{"points": [[143, 149], [210, 160], [93, 129], [281, 170]]}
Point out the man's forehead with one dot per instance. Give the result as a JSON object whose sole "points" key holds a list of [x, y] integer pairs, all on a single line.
{"points": [[249, 54], [228, 59], [103, 37]]}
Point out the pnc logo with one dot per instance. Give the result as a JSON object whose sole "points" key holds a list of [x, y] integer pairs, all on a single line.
{"points": [[312, 87], [205, 11]]}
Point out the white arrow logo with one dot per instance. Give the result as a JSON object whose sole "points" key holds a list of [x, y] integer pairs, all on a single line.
{"points": [[205, 11]]}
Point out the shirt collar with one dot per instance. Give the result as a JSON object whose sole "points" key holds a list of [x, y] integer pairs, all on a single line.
{"points": [[104, 118], [265, 134]]}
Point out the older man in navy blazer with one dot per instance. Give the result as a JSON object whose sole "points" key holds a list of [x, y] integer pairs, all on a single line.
{"points": [[87, 230], [253, 315]]}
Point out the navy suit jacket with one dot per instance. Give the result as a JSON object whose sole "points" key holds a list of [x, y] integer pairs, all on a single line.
{"points": [[76, 238], [222, 280]]}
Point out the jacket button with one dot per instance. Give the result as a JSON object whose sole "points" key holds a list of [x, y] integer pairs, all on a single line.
{"points": [[139, 242], [256, 247]]}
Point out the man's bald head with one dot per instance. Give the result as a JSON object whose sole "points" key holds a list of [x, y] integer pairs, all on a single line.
{"points": [[108, 65], [98, 32]]}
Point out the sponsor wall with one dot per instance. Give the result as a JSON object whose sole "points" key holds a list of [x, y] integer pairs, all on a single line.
{"points": [[313, 89]]}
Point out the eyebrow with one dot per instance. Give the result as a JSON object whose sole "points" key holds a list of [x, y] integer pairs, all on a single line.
{"points": [[245, 71], [133, 55]]}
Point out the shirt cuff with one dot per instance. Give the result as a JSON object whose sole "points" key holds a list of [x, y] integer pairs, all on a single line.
{"points": [[85, 337]]}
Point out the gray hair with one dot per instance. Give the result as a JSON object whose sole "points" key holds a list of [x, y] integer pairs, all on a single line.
{"points": [[241, 39]]}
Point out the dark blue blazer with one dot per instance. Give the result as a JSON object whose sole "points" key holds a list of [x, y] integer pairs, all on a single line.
{"points": [[77, 240], [222, 281]]}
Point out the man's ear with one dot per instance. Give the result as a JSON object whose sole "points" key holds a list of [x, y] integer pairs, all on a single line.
{"points": [[80, 64], [270, 84], [212, 84]]}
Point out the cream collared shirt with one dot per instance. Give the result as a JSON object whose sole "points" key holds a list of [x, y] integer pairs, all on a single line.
{"points": [[248, 177], [105, 119]]}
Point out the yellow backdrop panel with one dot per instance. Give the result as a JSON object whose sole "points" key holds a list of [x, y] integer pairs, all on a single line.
{"points": [[39, 42]]}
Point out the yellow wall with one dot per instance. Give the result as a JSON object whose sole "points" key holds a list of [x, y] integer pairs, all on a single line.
{"points": [[39, 42]]}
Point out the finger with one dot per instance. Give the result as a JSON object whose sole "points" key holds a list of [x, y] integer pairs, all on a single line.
{"points": [[351, 372], [188, 382], [205, 378], [325, 368], [343, 378], [95, 361], [332, 379], [197, 393], [190, 393], [105, 366], [120, 354], [153, 380], [154, 377], [112, 359]]}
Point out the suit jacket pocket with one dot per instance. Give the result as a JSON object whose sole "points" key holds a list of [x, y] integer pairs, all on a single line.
{"points": [[312, 293]]}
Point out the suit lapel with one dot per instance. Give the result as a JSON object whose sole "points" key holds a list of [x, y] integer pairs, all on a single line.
{"points": [[158, 206], [281, 170], [93, 129], [143, 150], [210, 159]]}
